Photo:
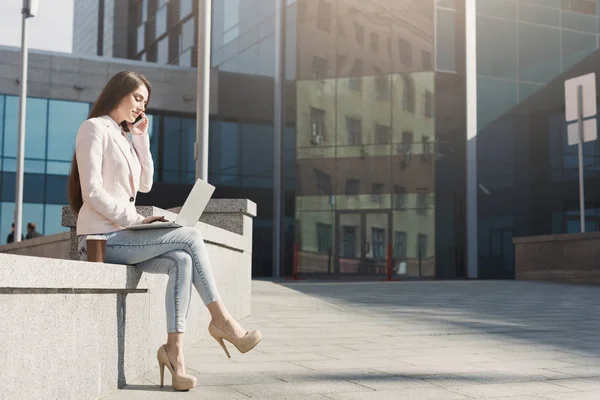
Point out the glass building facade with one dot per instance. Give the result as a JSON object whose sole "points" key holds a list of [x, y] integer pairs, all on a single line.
{"points": [[375, 142], [525, 51]]}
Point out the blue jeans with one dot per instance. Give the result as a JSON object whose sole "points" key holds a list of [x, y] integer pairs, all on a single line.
{"points": [[177, 252]]}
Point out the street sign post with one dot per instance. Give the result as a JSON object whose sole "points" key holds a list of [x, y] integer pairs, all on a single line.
{"points": [[580, 114]]}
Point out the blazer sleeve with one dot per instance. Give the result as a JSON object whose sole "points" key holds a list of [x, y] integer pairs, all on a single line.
{"points": [[141, 143], [89, 148]]}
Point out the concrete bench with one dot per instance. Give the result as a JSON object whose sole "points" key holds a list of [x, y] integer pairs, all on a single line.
{"points": [[79, 330]]}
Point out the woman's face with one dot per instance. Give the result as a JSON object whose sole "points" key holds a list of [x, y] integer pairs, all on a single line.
{"points": [[133, 104]]}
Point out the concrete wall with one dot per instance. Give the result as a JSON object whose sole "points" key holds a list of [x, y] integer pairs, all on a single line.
{"points": [[51, 246], [78, 330], [81, 78], [573, 258]]}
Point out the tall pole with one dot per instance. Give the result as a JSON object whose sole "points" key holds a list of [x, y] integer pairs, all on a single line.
{"points": [[27, 11], [203, 89], [278, 133], [580, 156], [471, 99]]}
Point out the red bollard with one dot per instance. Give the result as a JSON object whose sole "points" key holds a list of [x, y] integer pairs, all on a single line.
{"points": [[389, 261]]}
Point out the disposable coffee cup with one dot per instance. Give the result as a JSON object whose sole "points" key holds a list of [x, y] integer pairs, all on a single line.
{"points": [[96, 248]]}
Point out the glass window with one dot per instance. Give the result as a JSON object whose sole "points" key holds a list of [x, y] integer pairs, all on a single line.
{"points": [[354, 129], [360, 33], [539, 15], [349, 248], [7, 217], [231, 20], [575, 47], [257, 155], [58, 167], [163, 51], [144, 10], [323, 237], [405, 51], [54, 195], [579, 22], [317, 123], [319, 67], [374, 42], [539, 53], [496, 47], [378, 243], [428, 104], [355, 82], [141, 42], [35, 127], [33, 212], [400, 197], [1, 119], [422, 205], [494, 98], [188, 138], [382, 84], [580, 6], [225, 160], [400, 245], [324, 184], [171, 145], [185, 58], [422, 246], [408, 95], [376, 192], [497, 8], [383, 134], [325, 13], [161, 21], [53, 220], [187, 35], [446, 40], [64, 120], [352, 187], [185, 8], [426, 60]]}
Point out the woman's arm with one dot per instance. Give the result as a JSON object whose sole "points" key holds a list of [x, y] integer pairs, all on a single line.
{"points": [[142, 148], [89, 149]]}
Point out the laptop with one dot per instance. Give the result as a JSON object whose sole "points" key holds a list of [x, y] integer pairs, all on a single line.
{"points": [[190, 211]]}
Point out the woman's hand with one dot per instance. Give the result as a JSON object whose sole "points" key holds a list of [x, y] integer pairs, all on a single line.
{"points": [[154, 218], [141, 129]]}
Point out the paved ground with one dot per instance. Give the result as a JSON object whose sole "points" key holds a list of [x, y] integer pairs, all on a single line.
{"points": [[413, 340]]}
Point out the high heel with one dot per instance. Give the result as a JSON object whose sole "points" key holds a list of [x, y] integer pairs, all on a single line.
{"points": [[180, 382], [243, 344]]}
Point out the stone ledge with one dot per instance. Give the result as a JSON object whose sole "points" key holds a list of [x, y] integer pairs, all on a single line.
{"points": [[59, 274], [557, 238], [38, 241], [227, 214]]}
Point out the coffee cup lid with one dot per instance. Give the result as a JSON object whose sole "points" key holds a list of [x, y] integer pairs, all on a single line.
{"points": [[95, 237]]}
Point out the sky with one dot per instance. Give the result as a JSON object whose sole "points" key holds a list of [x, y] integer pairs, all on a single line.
{"points": [[51, 29]]}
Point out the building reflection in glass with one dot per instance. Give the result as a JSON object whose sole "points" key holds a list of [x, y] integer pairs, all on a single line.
{"points": [[365, 198]]}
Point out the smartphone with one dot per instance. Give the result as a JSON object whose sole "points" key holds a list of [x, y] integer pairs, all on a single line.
{"points": [[135, 124], [138, 120]]}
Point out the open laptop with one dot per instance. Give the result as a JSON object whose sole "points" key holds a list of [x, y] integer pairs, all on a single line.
{"points": [[190, 211]]}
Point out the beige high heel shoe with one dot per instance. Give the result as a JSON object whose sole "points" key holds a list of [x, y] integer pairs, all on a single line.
{"points": [[243, 344], [180, 382]]}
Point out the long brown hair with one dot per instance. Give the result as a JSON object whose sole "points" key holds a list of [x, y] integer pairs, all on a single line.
{"points": [[116, 89]]}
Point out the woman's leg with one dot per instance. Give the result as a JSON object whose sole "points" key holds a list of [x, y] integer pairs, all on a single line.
{"points": [[137, 246], [178, 265]]}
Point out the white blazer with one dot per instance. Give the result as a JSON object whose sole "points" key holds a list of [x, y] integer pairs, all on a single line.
{"points": [[112, 169]]}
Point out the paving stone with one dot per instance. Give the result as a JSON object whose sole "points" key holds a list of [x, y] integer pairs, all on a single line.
{"points": [[412, 340]]}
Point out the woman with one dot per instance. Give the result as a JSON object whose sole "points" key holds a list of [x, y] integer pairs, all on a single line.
{"points": [[107, 171]]}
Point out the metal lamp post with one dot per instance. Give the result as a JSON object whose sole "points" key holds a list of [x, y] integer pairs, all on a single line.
{"points": [[29, 10]]}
